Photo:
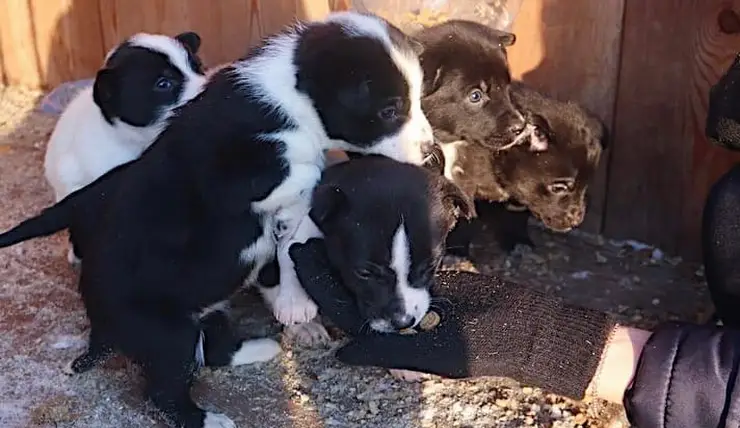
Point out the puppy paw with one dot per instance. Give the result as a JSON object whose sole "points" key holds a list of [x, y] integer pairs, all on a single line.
{"points": [[407, 375], [255, 351], [293, 306], [307, 334], [217, 420]]}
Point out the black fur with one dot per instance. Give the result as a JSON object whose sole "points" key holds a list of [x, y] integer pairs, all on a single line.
{"points": [[170, 226], [359, 205], [721, 246], [465, 66], [136, 83]]}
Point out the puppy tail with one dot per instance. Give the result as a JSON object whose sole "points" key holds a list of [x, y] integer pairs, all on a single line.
{"points": [[49, 221]]}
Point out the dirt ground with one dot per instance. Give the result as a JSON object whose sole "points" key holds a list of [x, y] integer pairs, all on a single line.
{"points": [[43, 327]]}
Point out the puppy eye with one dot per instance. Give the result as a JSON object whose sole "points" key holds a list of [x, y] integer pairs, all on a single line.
{"points": [[476, 96], [388, 114], [560, 187], [163, 84]]}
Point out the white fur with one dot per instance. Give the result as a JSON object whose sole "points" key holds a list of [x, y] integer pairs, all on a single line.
{"points": [[255, 351], [217, 420], [415, 301], [272, 77], [83, 146], [406, 145], [450, 152]]}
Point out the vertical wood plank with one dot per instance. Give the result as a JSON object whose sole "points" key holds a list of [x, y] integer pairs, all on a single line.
{"points": [[672, 53], [337, 5], [18, 44], [715, 46], [570, 50], [68, 39]]}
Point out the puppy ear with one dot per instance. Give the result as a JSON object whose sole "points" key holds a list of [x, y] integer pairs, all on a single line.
{"points": [[327, 201], [506, 39], [191, 39], [105, 93], [453, 195]]}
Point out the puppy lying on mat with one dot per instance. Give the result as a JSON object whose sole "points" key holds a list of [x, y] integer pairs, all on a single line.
{"points": [[477, 326]]}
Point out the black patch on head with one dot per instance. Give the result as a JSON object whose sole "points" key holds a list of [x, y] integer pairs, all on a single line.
{"points": [[357, 89], [723, 117], [137, 85], [466, 79], [359, 204]]}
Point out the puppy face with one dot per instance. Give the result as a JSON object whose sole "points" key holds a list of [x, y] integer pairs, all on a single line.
{"points": [[369, 101], [384, 224], [552, 182], [466, 87], [147, 77], [723, 117]]}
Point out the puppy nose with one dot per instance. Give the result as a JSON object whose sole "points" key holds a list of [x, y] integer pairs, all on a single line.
{"points": [[400, 322]]}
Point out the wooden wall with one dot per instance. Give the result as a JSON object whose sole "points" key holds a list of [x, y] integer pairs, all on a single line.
{"points": [[644, 66], [47, 42]]}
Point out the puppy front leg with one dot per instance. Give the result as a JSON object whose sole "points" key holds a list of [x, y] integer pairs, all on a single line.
{"points": [[292, 306]]}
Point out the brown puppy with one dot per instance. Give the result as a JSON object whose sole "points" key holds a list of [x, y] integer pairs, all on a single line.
{"points": [[466, 80], [551, 184]]}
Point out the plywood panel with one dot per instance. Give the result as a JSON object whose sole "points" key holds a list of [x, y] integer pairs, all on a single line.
{"points": [[570, 50], [715, 44], [17, 42], [67, 37], [672, 51]]}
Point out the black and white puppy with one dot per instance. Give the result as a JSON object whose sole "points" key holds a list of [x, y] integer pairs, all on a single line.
{"points": [[384, 224], [205, 207], [143, 81], [465, 65], [550, 183]]}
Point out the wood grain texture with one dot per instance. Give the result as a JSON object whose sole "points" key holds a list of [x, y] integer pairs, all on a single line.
{"points": [[46, 42], [20, 59], [672, 52], [67, 37], [571, 50], [338, 5], [714, 48]]}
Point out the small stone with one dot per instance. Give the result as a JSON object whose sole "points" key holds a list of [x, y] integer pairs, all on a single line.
{"points": [[374, 408], [527, 390], [529, 420], [580, 419], [600, 258], [430, 320], [656, 301], [636, 279]]}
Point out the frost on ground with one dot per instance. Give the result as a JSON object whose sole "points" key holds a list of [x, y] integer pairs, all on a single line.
{"points": [[43, 327]]}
